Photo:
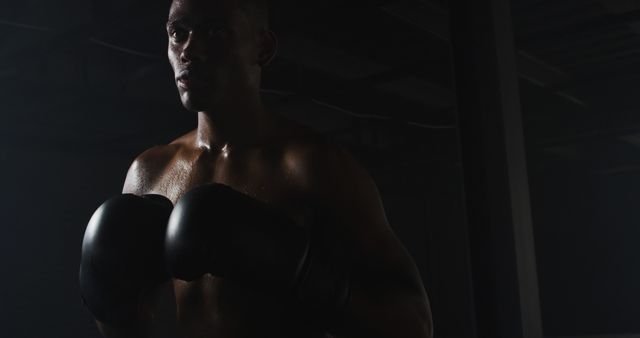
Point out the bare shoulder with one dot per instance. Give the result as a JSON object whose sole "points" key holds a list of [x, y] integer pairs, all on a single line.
{"points": [[321, 165], [149, 165], [348, 204]]}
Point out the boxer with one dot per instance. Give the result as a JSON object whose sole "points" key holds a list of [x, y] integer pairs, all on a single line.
{"points": [[271, 230]]}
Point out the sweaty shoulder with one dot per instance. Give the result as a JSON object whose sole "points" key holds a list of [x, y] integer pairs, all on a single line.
{"points": [[147, 167], [319, 164]]}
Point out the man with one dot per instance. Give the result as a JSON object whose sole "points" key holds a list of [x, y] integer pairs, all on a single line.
{"points": [[217, 49]]}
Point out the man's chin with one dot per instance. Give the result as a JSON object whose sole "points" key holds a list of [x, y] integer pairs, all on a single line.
{"points": [[194, 104], [190, 106]]}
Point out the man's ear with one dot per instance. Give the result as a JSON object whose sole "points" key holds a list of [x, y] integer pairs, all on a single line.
{"points": [[268, 48]]}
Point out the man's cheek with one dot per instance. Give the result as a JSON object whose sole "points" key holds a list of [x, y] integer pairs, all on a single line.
{"points": [[173, 57]]}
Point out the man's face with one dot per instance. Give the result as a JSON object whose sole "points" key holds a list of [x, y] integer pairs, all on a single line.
{"points": [[213, 50]]}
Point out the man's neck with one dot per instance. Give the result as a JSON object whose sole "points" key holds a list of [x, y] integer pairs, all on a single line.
{"points": [[234, 126]]}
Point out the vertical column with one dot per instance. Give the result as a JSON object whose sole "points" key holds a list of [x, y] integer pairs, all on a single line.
{"points": [[496, 183]]}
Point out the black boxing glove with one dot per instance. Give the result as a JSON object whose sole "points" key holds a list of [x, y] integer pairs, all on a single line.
{"points": [[215, 229], [122, 255]]}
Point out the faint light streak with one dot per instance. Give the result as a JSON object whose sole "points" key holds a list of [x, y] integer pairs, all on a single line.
{"points": [[362, 116]]}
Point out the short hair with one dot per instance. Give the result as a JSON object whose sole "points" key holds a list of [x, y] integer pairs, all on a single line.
{"points": [[258, 10]]}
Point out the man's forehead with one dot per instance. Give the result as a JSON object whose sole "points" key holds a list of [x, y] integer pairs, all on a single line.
{"points": [[201, 8]]}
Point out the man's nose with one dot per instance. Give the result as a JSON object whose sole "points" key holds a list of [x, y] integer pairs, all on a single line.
{"points": [[193, 48]]}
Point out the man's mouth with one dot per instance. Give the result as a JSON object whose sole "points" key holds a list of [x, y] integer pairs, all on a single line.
{"points": [[184, 82], [187, 79]]}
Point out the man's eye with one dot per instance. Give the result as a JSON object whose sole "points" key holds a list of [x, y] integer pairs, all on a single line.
{"points": [[178, 34]]}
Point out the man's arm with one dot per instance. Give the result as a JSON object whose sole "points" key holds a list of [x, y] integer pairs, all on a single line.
{"points": [[140, 328], [136, 182], [388, 299]]}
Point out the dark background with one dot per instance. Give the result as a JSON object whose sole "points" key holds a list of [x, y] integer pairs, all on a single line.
{"points": [[86, 87]]}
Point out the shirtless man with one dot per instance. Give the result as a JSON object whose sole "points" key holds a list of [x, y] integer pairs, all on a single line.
{"points": [[217, 49]]}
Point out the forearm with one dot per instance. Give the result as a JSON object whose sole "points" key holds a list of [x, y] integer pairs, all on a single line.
{"points": [[139, 330], [155, 304], [386, 315], [138, 327]]}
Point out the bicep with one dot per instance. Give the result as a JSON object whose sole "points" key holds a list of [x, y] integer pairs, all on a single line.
{"points": [[352, 203], [382, 267], [386, 288]]}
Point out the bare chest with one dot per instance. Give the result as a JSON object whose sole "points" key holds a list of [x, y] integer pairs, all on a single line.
{"points": [[213, 306], [254, 174]]}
